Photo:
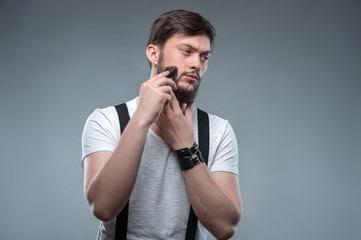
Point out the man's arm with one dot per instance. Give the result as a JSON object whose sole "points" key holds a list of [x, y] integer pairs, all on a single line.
{"points": [[215, 197], [110, 177]]}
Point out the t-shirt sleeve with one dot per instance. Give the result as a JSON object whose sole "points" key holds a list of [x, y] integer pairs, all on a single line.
{"points": [[226, 155], [98, 133]]}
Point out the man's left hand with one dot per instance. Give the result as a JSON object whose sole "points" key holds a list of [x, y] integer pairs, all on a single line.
{"points": [[175, 126]]}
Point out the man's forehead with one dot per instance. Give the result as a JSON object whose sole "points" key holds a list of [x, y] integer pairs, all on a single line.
{"points": [[199, 42]]}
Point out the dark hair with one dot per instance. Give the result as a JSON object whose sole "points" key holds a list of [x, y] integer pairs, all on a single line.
{"points": [[180, 22]]}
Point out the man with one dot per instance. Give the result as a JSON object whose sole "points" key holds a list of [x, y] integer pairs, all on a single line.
{"points": [[143, 164]]}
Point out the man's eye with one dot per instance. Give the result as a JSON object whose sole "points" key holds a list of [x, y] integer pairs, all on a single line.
{"points": [[204, 58], [186, 51]]}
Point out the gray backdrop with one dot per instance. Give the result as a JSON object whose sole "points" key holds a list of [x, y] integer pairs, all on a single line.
{"points": [[285, 73]]}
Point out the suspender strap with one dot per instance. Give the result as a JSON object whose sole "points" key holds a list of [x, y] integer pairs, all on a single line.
{"points": [[122, 218], [123, 115], [203, 141], [203, 134], [122, 224]]}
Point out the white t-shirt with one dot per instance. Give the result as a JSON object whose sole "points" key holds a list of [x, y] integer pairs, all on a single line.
{"points": [[158, 205]]}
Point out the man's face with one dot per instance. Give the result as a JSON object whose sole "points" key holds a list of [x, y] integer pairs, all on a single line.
{"points": [[190, 55]]}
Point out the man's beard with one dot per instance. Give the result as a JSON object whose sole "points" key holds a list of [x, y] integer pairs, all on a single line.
{"points": [[183, 95]]}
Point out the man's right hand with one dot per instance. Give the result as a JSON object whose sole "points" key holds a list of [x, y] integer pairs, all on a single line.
{"points": [[154, 94], [107, 172]]}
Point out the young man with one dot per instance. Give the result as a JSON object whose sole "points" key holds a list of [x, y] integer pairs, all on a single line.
{"points": [[142, 165]]}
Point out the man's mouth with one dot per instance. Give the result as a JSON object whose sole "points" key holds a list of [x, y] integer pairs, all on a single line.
{"points": [[192, 77]]}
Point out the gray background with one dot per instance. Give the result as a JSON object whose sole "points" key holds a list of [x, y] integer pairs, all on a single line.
{"points": [[285, 73]]}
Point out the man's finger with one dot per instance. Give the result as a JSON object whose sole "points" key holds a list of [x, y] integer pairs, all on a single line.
{"points": [[158, 76], [175, 104], [167, 108], [188, 110], [165, 82]]}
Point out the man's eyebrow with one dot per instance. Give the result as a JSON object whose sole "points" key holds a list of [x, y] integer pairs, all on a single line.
{"points": [[194, 48]]}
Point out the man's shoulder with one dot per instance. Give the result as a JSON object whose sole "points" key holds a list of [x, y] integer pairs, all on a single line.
{"points": [[110, 112], [103, 113], [215, 120], [220, 127]]}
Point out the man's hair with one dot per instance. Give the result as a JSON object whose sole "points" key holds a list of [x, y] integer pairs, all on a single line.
{"points": [[180, 22]]}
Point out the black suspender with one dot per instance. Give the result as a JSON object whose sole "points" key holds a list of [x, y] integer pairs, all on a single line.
{"points": [[203, 142], [203, 136], [123, 115], [122, 218]]}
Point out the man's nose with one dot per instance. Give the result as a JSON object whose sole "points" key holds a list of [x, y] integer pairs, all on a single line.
{"points": [[195, 62]]}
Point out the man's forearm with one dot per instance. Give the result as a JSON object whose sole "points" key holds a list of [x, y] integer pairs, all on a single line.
{"points": [[215, 209], [111, 179], [110, 189]]}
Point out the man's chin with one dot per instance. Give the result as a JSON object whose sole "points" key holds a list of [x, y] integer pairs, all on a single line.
{"points": [[185, 96]]}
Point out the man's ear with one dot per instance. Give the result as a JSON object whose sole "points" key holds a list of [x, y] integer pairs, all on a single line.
{"points": [[153, 53]]}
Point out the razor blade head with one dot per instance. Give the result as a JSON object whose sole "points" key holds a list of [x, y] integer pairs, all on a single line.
{"points": [[173, 72]]}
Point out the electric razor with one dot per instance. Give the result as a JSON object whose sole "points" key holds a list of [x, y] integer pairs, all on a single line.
{"points": [[173, 72]]}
